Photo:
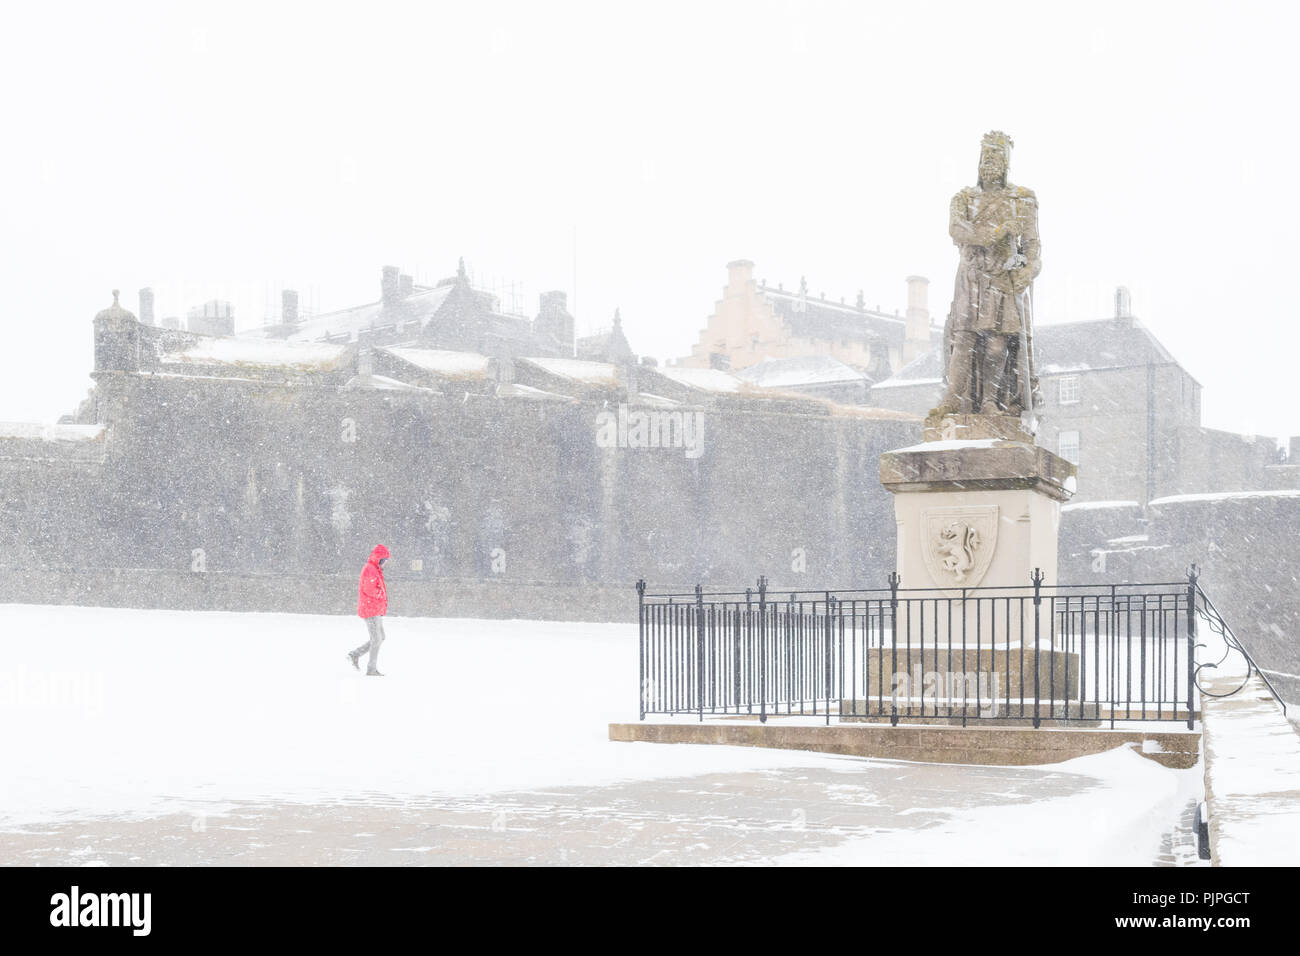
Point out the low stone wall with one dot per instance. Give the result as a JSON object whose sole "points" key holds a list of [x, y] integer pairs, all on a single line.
{"points": [[316, 594], [1001, 746]]}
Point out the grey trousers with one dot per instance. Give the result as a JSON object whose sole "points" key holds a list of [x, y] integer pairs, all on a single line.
{"points": [[376, 627]]}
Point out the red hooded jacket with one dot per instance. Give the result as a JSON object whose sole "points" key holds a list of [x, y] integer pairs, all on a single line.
{"points": [[373, 599]]}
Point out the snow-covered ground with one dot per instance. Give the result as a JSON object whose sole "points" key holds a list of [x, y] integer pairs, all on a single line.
{"points": [[128, 716]]}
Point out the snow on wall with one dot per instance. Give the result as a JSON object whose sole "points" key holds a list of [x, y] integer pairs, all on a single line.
{"points": [[38, 431], [234, 351], [953, 445], [895, 382], [1095, 505], [1224, 496]]}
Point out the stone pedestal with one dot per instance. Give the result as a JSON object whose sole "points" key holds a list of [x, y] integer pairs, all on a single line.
{"points": [[980, 512]]}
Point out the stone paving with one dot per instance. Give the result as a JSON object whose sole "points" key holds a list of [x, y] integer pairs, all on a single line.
{"points": [[712, 819]]}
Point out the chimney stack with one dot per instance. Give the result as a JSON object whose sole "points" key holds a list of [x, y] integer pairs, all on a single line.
{"points": [[917, 338], [146, 307], [406, 285], [289, 307], [553, 319], [552, 302], [391, 287], [1123, 303]]}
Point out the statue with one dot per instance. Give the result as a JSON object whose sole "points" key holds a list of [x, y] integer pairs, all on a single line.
{"points": [[988, 339]]}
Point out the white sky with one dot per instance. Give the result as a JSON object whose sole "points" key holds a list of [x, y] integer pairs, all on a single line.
{"points": [[230, 151]]}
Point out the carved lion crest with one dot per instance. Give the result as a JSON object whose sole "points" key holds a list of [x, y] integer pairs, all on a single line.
{"points": [[959, 544]]}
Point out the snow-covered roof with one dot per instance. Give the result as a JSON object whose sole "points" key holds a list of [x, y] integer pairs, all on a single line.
{"points": [[800, 370], [1062, 348], [793, 296], [442, 362], [39, 431], [419, 306], [706, 379], [259, 352], [922, 370], [594, 373]]}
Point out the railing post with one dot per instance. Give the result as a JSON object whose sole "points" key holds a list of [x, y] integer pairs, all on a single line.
{"points": [[894, 580], [828, 657], [1192, 574], [747, 642], [762, 649], [640, 664], [1037, 578], [699, 648]]}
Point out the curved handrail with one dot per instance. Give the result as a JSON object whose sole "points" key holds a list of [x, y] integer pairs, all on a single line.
{"points": [[1210, 614]]}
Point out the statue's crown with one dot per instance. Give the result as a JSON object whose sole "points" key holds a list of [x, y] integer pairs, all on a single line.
{"points": [[996, 139]]}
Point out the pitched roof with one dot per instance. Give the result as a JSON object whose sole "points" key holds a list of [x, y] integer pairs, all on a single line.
{"points": [[923, 370], [801, 370], [1097, 344], [702, 379], [815, 318], [1064, 347], [422, 305]]}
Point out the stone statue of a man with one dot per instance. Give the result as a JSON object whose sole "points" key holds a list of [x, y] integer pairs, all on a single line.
{"points": [[988, 339]]}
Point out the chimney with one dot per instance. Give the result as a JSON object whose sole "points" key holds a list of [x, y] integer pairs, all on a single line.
{"points": [[391, 287], [917, 340], [289, 307], [365, 365], [406, 285], [553, 319], [1123, 303], [739, 274], [146, 307]]}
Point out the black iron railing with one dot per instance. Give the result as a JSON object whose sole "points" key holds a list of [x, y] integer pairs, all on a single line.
{"points": [[1086, 653], [1209, 614]]}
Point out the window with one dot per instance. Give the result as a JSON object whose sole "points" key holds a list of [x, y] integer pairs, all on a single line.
{"points": [[1067, 446], [1069, 390]]}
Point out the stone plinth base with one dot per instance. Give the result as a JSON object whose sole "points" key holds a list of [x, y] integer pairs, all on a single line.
{"points": [[1006, 746], [934, 675], [976, 513]]}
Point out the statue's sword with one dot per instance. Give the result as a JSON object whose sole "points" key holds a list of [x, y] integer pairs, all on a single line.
{"points": [[1027, 419]]}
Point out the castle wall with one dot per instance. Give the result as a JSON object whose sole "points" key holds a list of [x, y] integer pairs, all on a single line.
{"points": [[224, 476]]}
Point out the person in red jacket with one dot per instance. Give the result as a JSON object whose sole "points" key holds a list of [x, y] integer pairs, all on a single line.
{"points": [[372, 605]]}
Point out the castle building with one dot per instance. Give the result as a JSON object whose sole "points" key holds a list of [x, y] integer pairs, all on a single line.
{"points": [[216, 468], [451, 315], [753, 322]]}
